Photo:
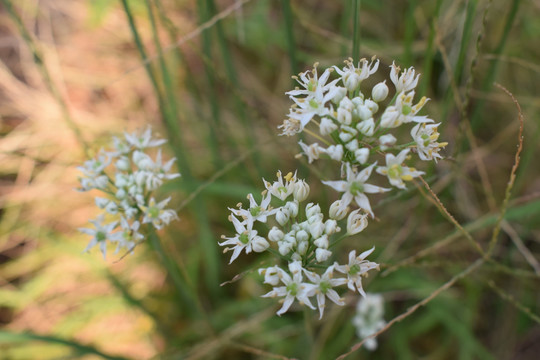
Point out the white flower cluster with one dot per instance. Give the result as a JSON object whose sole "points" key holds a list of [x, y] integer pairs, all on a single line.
{"points": [[369, 318], [355, 130], [128, 190], [301, 236]]}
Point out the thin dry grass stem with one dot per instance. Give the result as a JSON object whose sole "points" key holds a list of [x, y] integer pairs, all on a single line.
{"points": [[512, 179], [39, 61], [514, 236], [396, 241], [412, 259], [190, 36], [462, 108], [443, 209], [512, 271], [513, 60], [255, 351], [205, 349], [513, 301], [416, 306]]}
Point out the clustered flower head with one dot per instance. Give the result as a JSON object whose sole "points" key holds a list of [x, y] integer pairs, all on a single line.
{"points": [[302, 236], [127, 176], [357, 130], [369, 318]]}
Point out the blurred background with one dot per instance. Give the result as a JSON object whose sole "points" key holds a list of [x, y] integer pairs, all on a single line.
{"points": [[210, 76]]}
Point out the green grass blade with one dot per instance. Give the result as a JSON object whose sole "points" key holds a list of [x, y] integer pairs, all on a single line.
{"points": [[356, 30], [289, 31], [7, 337]]}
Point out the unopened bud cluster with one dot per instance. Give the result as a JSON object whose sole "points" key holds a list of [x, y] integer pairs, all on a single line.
{"points": [[358, 130], [301, 235], [127, 177]]}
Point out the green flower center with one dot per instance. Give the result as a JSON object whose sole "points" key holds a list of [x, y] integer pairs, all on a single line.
{"points": [[406, 109], [153, 212], [355, 269], [324, 286], [313, 103], [395, 171], [244, 238], [255, 211], [101, 236], [312, 85], [292, 289], [357, 188], [282, 189], [426, 139]]}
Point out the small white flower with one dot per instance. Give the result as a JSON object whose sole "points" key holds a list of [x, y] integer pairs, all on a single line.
{"points": [[312, 151], [143, 140], [355, 187], [323, 288], [356, 222], [405, 81], [327, 126], [301, 191], [403, 111], [357, 267], [369, 318], [244, 238], [155, 213], [366, 127], [100, 234], [335, 152], [280, 188], [256, 212], [352, 76], [337, 210], [294, 288], [271, 275], [321, 255], [396, 172], [361, 155], [275, 234], [426, 137]]}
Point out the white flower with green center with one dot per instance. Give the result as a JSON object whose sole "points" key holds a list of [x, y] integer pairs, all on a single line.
{"points": [[100, 234], [323, 289], [312, 83], [144, 140], [280, 188], [313, 151], [355, 187], [256, 212], [426, 137], [404, 111], [352, 76], [294, 288], [396, 171], [405, 81], [245, 238], [357, 268], [94, 173], [156, 214]]}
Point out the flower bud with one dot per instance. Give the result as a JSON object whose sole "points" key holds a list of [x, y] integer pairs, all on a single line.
{"points": [[296, 257], [302, 236], [379, 92], [335, 152], [301, 191], [112, 208], [361, 155], [292, 208], [289, 238], [390, 118], [302, 247], [372, 106], [259, 244], [337, 212], [387, 141], [363, 112], [352, 145], [330, 226], [275, 234], [327, 126], [340, 93], [312, 209], [282, 216], [102, 182], [322, 254], [285, 248], [356, 222], [295, 267], [322, 242], [123, 164], [316, 229], [271, 275], [101, 202], [344, 116], [366, 127], [351, 80]]}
